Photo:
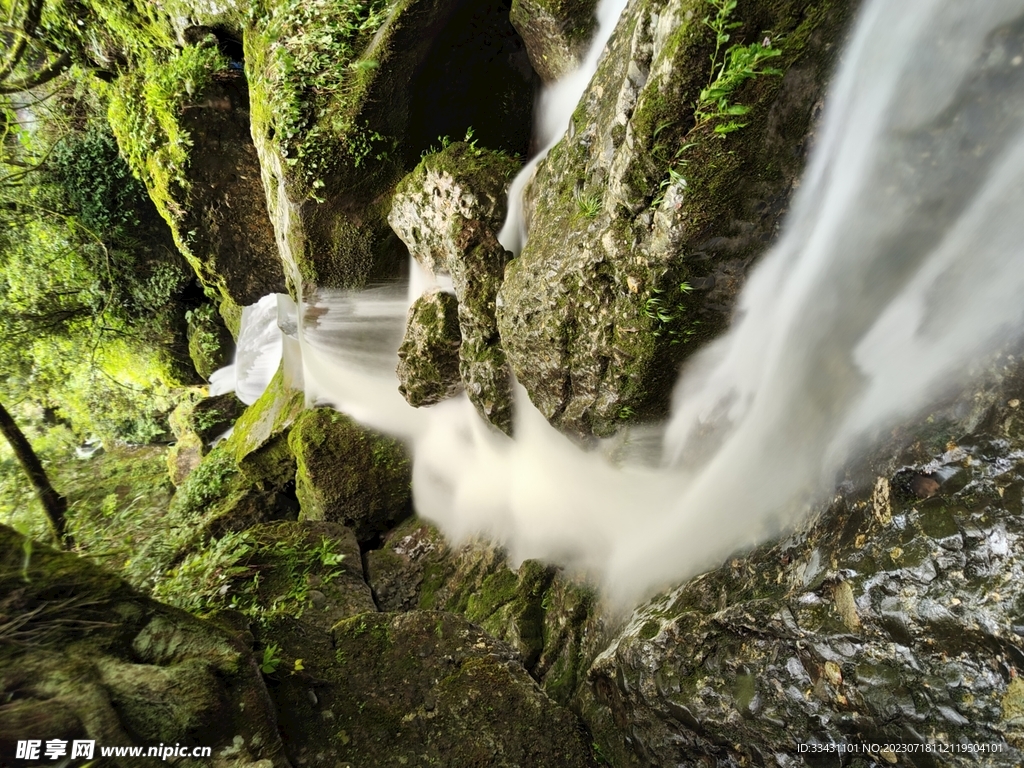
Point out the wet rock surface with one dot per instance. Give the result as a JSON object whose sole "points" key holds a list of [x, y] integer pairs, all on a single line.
{"points": [[891, 620], [638, 199], [225, 220], [448, 213], [428, 360]]}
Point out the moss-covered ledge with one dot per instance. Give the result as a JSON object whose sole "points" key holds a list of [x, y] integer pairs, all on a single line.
{"points": [[181, 118]]}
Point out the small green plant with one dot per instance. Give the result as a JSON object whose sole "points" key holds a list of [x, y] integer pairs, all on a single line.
{"points": [[271, 659], [737, 65], [587, 205], [670, 315]]}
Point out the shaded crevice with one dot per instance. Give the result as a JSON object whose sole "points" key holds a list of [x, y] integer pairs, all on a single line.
{"points": [[477, 75]]}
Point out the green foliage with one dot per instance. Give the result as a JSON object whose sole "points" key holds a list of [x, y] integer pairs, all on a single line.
{"points": [[204, 485], [588, 206], [670, 315], [260, 576], [271, 659], [145, 112], [315, 79], [97, 183], [739, 64]]}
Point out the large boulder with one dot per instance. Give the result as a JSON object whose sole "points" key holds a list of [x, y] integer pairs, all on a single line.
{"points": [[181, 118], [643, 200], [83, 656], [430, 687], [346, 97], [348, 474], [551, 619], [448, 212]]}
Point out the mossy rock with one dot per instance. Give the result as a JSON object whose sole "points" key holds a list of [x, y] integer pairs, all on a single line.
{"points": [[638, 199], [448, 212], [348, 474], [430, 687], [346, 99], [551, 620], [245, 480], [428, 359], [209, 342], [181, 117], [301, 574], [556, 32], [93, 659]]}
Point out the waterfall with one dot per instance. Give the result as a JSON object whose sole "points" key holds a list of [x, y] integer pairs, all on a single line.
{"points": [[900, 267], [556, 104]]}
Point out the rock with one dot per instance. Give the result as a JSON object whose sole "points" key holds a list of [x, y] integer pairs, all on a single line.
{"points": [[550, 619], [89, 658], [291, 557], [247, 479], [209, 342], [429, 686], [636, 200], [358, 102], [349, 475], [448, 212], [889, 627], [428, 360], [556, 33], [195, 424], [193, 150]]}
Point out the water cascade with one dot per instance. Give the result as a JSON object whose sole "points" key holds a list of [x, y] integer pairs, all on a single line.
{"points": [[556, 105], [901, 266]]}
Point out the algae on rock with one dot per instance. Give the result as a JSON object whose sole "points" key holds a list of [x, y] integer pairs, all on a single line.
{"points": [[551, 619]]}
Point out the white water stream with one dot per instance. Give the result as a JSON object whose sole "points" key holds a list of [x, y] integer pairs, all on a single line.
{"points": [[901, 265]]}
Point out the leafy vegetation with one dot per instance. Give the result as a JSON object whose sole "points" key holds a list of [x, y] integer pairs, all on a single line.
{"points": [[670, 315], [737, 65], [229, 573], [311, 76], [146, 105], [587, 205]]}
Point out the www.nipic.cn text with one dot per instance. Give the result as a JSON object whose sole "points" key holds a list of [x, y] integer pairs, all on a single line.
{"points": [[56, 749]]}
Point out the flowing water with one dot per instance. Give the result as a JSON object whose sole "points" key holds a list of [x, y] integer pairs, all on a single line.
{"points": [[901, 265]]}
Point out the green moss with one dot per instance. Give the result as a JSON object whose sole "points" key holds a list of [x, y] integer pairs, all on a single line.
{"points": [[348, 474], [146, 107]]}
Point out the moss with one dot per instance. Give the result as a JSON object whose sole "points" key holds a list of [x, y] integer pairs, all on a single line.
{"points": [[348, 474], [209, 341], [146, 107]]}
